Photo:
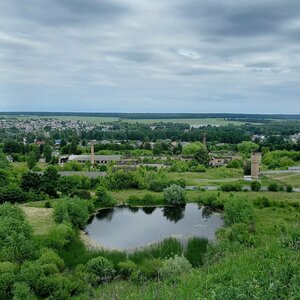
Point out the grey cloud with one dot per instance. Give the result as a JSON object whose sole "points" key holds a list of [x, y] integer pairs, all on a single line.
{"points": [[139, 55]]}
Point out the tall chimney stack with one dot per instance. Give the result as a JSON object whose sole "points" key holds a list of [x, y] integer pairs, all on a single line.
{"points": [[92, 153]]}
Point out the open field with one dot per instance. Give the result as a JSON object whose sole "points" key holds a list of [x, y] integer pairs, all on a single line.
{"points": [[39, 218], [288, 178], [208, 121], [101, 120]]}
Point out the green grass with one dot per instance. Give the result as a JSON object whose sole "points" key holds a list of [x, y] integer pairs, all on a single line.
{"points": [[122, 196], [40, 219], [215, 176], [291, 178]]}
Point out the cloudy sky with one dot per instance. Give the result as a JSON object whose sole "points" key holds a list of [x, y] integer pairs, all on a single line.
{"points": [[150, 56]]}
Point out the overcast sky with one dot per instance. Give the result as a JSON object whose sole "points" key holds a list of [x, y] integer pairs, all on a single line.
{"points": [[150, 56]]}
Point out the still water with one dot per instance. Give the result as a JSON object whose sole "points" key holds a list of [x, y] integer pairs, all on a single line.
{"points": [[130, 227]]}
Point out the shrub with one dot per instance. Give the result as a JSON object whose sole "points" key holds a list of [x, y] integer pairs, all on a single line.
{"points": [[101, 267], [174, 266], [262, 202], [127, 267], [149, 269], [275, 187], [231, 187], [60, 236], [72, 211], [47, 204], [238, 210], [103, 198], [12, 194], [289, 188], [239, 233], [255, 186], [83, 194], [174, 195]]}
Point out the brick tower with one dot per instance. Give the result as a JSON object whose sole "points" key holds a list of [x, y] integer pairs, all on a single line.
{"points": [[255, 165]]}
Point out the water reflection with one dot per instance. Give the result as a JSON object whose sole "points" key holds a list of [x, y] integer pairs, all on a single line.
{"points": [[174, 214], [148, 210], [105, 214], [129, 227]]}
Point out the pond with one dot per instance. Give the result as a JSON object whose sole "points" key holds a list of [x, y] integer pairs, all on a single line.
{"points": [[131, 227]]}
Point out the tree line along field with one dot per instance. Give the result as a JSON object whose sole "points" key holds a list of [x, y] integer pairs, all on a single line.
{"points": [[102, 120]]}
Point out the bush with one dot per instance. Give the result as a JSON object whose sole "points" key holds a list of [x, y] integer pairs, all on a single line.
{"points": [[83, 194], [174, 195], [74, 211], [262, 202], [12, 194], [231, 187], [101, 267], [149, 269], [103, 198], [127, 267], [238, 210], [175, 266], [239, 233], [47, 204], [274, 187], [289, 188], [255, 186], [60, 236]]}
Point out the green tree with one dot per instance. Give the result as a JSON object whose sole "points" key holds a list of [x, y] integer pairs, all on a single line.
{"points": [[202, 157], [31, 182], [71, 210], [174, 195], [16, 239], [31, 160], [192, 148], [247, 147], [48, 153]]}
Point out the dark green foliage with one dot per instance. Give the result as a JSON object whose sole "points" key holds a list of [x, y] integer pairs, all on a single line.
{"points": [[262, 202], [238, 210], [31, 182], [71, 210], [247, 168], [255, 186], [31, 160], [101, 267], [289, 188], [103, 198], [12, 194], [195, 250], [202, 157], [231, 187], [16, 240], [83, 194], [50, 181], [48, 204], [275, 187]]}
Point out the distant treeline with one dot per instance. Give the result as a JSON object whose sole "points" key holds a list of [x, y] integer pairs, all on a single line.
{"points": [[133, 116]]}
